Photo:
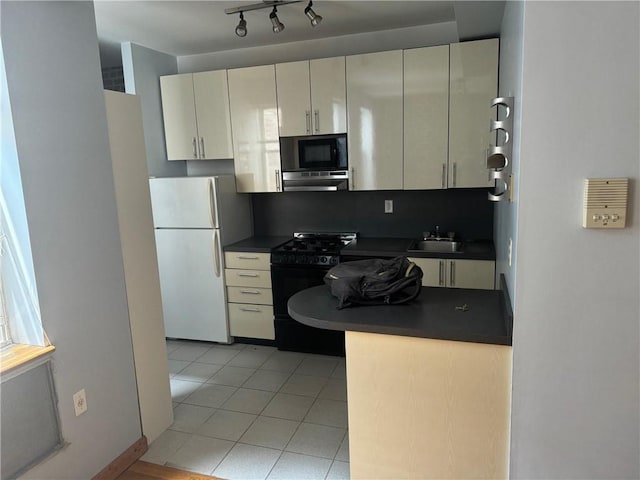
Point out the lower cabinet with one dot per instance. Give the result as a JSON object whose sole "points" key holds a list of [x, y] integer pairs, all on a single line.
{"points": [[438, 272], [250, 302]]}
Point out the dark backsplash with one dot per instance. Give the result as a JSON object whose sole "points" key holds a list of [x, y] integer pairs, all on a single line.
{"points": [[467, 212]]}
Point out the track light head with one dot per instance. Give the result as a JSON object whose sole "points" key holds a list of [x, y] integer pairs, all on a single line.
{"points": [[278, 26], [241, 29], [312, 16]]}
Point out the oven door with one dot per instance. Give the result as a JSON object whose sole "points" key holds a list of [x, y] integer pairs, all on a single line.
{"points": [[286, 280]]}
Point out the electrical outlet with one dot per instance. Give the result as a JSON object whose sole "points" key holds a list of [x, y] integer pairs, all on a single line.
{"points": [[510, 250], [80, 402], [388, 206]]}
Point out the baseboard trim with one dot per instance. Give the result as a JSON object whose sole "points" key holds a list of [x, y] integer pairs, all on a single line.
{"points": [[123, 461]]}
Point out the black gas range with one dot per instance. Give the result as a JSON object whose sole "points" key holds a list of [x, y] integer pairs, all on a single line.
{"points": [[296, 265]]}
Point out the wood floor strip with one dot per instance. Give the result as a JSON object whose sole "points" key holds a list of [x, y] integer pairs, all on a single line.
{"points": [[141, 470], [124, 461]]}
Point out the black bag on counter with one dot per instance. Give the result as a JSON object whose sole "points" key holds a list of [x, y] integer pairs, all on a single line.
{"points": [[374, 281]]}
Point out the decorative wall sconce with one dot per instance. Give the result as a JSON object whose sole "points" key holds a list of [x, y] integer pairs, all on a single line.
{"points": [[499, 155]]}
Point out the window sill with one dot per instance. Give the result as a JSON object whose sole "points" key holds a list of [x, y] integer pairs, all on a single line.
{"points": [[17, 355]]}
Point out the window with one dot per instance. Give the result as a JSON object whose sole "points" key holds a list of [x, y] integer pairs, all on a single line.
{"points": [[5, 336]]}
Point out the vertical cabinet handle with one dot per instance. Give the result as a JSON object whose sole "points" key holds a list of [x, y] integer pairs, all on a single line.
{"points": [[212, 204], [195, 148], [444, 174], [277, 180], [202, 155], [353, 178], [316, 114], [216, 255], [441, 273], [308, 115], [452, 273], [455, 173]]}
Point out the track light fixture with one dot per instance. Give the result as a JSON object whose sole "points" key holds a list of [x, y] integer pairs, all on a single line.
{"points": [[313, 16], [277, 25], [241, 29]]}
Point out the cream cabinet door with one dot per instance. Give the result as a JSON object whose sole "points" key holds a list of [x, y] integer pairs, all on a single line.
{"points": [[328, 95], [433, 271], [212, 114], [294, 100], [471, 274], [473, 84], [179, 115], [426, 117], [374, 110], [254, 121]]}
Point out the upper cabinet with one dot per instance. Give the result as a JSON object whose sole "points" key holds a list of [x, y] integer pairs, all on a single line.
{"points": [[254, 117], [196, 115], [473, 84], [426, 117], [312, 97], [375, 119]]}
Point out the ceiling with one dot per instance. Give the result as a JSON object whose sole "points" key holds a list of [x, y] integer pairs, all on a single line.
{"points": [[186, 27]]}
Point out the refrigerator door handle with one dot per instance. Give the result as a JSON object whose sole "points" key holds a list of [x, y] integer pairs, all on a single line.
{"points": [[213, 206], [216, 254]]}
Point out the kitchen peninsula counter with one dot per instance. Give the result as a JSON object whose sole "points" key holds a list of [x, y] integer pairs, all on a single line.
{"points": [[428, 385], [437, 313]]}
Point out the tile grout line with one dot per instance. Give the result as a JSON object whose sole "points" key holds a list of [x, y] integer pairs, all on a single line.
{"points": [[259, 368]]}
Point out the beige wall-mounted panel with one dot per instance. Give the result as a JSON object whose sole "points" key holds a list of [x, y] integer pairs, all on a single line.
{"points": [[248, 260], [251, 320], [248, 278], [426, 117], [374, 108], [473, 84], [445, 417]]}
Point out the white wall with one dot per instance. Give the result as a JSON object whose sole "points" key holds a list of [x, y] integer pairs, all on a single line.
{"points": [[419, 36], [576, 347], [510, 85], [55, 87], [142, 69]]}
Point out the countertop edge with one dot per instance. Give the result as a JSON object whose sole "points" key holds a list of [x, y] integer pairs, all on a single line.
{"points": [[432, 332]]}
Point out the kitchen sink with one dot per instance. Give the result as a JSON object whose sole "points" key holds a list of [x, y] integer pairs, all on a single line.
{"points": [[443, 245]]}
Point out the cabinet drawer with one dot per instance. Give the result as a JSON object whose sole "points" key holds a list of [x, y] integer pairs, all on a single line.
{"points": [[262, 296], [248, 278], [251, 320], [254, 261]]}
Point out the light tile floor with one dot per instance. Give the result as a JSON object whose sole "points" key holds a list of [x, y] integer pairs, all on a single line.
{"points": [[244, 412]]}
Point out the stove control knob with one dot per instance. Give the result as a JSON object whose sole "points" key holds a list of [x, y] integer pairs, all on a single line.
{"points": [[323, 259]]}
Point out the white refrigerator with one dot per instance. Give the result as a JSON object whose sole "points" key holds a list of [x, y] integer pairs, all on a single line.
{"points": [[194, 217]]}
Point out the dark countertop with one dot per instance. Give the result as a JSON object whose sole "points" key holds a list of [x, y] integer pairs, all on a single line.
{"points": [[256, 244], [392, 247], [432, 315]]}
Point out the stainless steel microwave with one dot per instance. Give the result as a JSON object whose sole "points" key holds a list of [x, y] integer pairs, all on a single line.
{"points": [[314, 153], [326, 153], [314, 163]]}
